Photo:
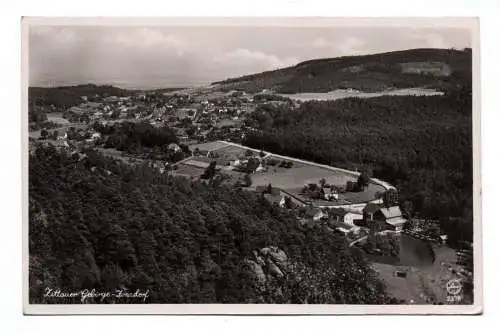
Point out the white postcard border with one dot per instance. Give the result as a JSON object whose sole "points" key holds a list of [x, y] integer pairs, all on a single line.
{"points": [[471, 23]]}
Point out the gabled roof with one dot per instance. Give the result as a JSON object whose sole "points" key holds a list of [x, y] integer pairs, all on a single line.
{"points": [[397, 221], [371, 208], [392, 212]]}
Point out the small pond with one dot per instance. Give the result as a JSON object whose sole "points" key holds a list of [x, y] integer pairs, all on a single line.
{"points": [[412, 252]]}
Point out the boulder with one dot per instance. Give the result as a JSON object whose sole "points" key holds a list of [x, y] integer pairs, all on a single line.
{"points": [[273, 269], [257, 269], [264, 251], [278, 256], [260, 260]]}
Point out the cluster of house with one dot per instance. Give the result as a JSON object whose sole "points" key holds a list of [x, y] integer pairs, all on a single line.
{"points": [[216, 114], [88, 137], [138, 108], [327, 193], [375, 217], [109, 107], [380, 217]]}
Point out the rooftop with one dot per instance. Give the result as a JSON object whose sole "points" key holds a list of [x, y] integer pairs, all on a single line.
{"points": [[397, 221], [392, 212]]}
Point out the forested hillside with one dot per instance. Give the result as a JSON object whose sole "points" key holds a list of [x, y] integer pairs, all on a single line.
{"points": [[68, 96], [423, 145], [440, 69], [98, 223]]}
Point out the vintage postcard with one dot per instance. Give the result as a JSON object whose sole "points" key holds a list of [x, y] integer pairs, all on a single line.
{"points": [[251, 166]]}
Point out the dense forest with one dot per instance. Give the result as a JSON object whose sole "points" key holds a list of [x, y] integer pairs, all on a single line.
{"points": [[375, 72], [422, 145], [95, 222], [144, 139]]}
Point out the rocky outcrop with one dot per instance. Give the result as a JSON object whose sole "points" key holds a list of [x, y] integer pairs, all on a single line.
{"points": [[268, 263], [273, 269], [258, 270], [276, 255]]}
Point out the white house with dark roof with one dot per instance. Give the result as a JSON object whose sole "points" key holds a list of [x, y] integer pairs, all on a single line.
{"points": [[393, 217], [390, 216]]}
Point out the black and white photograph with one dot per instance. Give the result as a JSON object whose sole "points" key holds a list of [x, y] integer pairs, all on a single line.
{"points": [[251, 166]]}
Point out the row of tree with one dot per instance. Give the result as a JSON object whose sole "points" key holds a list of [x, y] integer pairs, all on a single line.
{"points": [[143, 138]]}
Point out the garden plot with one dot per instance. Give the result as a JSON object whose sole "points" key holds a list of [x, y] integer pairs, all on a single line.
{"points": [[188, 171]]}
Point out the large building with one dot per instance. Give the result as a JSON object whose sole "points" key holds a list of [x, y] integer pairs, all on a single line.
{"points": [[383, 218]]}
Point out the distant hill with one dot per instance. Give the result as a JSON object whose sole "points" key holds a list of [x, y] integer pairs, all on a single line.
{"points": [[443, 69], [67, 96]]}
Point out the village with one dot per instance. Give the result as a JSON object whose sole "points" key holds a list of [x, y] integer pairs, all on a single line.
{"points": [[209, 126]]}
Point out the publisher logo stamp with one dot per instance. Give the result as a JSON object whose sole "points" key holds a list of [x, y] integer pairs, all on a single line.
{"points": [[453, 288]]}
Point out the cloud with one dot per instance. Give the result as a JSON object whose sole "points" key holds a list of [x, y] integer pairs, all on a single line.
{"points": [[55, 36], [245, 57], [430, 39], [156, 56], [320, 42], [351, 46], [146, 39]]}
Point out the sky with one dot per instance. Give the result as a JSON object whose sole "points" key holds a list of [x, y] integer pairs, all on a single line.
{"points": [[145, 57]]}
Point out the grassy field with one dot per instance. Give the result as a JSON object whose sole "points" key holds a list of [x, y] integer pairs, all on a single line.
{"points": [[188, 171], [297, 177], [56, 117], [291, 179], [210, 146], [363, 196], [205, 161], [114, 153], [230, 152]]}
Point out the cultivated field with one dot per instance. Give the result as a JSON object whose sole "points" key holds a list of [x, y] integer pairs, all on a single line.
{"points": [[297, 177], [116, 154], [188, 171], [204, 162], [293, 179], [211, 146], [230, 153], [56, 117], [290, 179]]}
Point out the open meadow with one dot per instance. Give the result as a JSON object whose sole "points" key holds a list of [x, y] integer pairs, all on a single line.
{"points": [[291, 179]]}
